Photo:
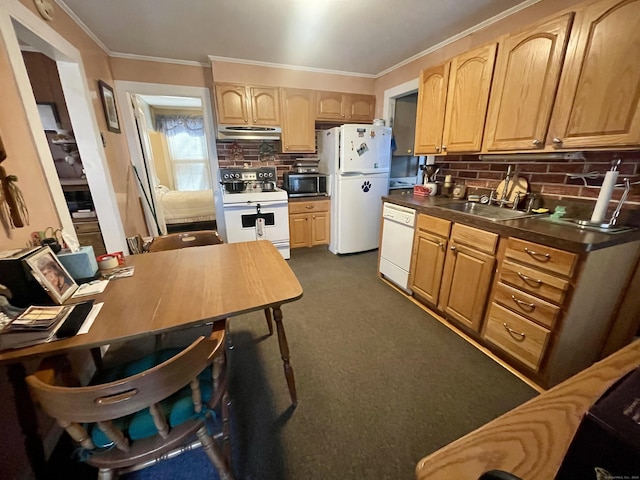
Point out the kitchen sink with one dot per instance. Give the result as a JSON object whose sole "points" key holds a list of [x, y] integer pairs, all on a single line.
{"points": [[488, 212]]}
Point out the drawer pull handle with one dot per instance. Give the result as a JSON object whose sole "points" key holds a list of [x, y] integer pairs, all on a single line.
{"points": [[529, 279], [543, 257], [519, 336], [522, 303], [309, 206]]}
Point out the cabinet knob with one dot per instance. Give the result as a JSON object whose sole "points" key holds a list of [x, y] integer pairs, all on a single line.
{"points": [[536, 142], [557, 141], [444, 147], [453, 248], [441, 245], [437, 149], [309, 206]]}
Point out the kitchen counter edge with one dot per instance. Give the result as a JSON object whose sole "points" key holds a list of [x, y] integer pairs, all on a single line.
{"points": [[533, 229]]}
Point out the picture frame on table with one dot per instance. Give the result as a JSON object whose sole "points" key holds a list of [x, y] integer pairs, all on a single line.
{"points": [[51, 274], [109, 105]]}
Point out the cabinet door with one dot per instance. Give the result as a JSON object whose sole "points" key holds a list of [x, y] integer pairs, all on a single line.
{"points": [[232, 106], [299, 230], [432, 98], [265, 106], [331, 106], [527, 74], [467, 99], [426, 272], [361, 108], [298, 120], [320, 227], [465, 284], [598, 100]]}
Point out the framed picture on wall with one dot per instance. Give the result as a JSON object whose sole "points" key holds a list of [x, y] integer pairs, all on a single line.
{"points": [[109, 105]]}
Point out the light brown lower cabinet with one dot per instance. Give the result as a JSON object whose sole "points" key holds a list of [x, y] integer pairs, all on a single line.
{"points": [[453, 273], [309, 223], [429, 249], [545, 311], [467, 276]]}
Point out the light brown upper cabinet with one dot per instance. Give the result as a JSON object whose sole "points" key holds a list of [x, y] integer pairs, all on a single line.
{"points": [[247, 105], [467, 99], [432, 98], [598, 100], [452, 103], [298, 108], [346, 107], [524, 85]]}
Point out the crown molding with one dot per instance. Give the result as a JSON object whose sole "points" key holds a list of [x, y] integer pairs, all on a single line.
{"points": [[148, 58], [289, 67], [469, 31], [82, 25]]}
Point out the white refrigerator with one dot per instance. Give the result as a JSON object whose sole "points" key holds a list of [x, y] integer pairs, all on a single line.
{"points": [[357, 159]]}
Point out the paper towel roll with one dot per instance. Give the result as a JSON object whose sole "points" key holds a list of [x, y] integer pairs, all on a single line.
{"points": [[600, 210]]}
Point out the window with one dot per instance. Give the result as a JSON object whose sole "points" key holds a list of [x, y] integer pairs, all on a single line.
{"points": [[189, 161], [187, 148]]}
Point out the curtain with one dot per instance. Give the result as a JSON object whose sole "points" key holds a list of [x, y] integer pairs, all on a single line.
{"points": [[187, 148], [170, 125]]}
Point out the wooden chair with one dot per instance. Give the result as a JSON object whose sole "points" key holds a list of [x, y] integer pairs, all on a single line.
{"points": [[175, 241], [131, 422], [200, 238]]}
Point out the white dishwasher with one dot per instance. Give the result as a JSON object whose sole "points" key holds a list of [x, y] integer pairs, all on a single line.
{"points": [[397, 241]]}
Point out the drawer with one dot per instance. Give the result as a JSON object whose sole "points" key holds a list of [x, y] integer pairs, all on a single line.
{"points": [[87, 227], [517, 336], [533, 281], [478, 239], [307, 207], [539, 256], [544, 313], [437, 226]]}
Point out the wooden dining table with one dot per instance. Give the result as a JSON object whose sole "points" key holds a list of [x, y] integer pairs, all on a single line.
{"points": [[170, 291]]}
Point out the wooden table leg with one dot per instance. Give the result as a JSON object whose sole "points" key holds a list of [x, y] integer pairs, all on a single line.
{"points": [[27, 419], [267, 316], [284, 353]]}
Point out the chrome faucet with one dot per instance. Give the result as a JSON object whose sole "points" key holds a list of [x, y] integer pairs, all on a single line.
{"points": [[616, 212]]}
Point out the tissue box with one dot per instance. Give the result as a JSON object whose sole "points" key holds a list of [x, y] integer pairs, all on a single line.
{"points": [[81, 265]]}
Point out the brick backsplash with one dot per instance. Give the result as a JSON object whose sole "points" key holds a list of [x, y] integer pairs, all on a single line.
{"points": [[546, 177]]}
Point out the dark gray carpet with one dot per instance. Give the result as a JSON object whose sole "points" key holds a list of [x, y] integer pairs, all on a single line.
{"points": [[380, 383]]}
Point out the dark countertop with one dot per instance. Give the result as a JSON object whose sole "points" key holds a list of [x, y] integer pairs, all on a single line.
{"points": [[534, 229]]}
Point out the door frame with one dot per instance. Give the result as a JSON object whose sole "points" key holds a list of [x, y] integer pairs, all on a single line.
{"points": [[124, 91], [18, 22]]}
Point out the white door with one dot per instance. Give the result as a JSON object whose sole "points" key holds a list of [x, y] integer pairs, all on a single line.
{"points": [[357, 207], [365, 149]]}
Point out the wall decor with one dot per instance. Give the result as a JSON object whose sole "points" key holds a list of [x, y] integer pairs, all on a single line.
{"points": [[109, 104]]}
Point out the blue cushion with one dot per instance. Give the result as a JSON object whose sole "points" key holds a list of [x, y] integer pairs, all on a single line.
{"points": [[178, 408]]}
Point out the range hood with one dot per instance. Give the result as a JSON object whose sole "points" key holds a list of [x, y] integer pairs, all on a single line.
{"points": [[246, 132]]}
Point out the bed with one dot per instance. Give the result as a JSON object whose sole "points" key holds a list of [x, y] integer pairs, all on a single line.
{"points": [[180, 207]]}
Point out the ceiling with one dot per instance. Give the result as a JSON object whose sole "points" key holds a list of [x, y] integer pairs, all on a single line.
{"points": [[363, 37]]}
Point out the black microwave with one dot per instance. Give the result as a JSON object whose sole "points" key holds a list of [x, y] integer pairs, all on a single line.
{"points": [[305, 184]]}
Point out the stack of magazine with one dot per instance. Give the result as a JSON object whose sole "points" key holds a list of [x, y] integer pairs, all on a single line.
{"points": [[38, 324]]}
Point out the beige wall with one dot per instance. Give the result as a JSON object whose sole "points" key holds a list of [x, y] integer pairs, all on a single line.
{"points": [[228, 72], [23, 160], [164, 73]]}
